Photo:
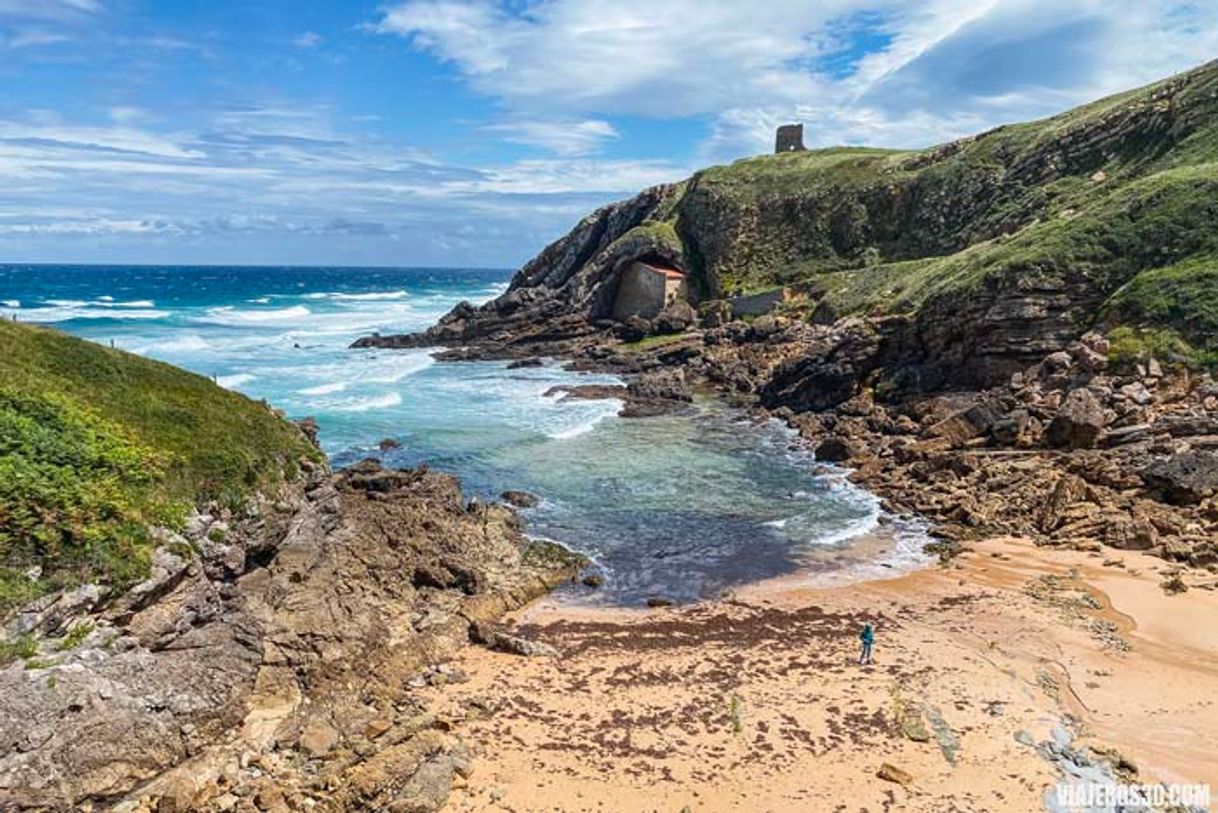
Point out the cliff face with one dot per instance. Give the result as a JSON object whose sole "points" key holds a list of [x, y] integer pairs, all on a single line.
{"points": [[996, 248]]}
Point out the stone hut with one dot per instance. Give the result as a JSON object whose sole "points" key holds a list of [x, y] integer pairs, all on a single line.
{"points": [[790, 138], [647, 287]]}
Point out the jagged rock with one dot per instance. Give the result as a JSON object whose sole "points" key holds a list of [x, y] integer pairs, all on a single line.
{"points": [[1067, 492], [1079, 422], [891, 773], [521, 499], [676, 318], [206, 656], [1127, 534], [715, 313], [1184, 479], [830, 372], [834, 449], [660, 385], [319, 738], [310, 429], [634, 329], [973, 422]]}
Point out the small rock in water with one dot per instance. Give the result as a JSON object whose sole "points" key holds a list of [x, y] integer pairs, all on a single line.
{"points": [[520, 499], [593, 580], [389, 444], [658, 601]]}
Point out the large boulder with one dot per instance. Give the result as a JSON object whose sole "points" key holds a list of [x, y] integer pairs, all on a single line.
{"points": [[967, 424], [1079, 422], [676, 318], [830, 371], [1183, 479]]}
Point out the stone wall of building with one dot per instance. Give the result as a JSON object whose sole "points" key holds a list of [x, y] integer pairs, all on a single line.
{"points": [[642, 291], [790, 138], [645, 291]]}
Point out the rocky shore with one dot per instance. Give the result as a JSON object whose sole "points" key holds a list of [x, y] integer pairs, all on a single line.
{"points": [[1071, 451], [273, 659]]}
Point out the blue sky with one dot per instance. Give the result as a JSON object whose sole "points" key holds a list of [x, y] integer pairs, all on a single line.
{"points": [[439, 132]]}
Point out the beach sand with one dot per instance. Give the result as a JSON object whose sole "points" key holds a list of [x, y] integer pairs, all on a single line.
{"points": [[756, 702]]}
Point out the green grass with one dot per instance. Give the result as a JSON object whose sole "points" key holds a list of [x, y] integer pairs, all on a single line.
{"points": [[1184, 295], [96, 445], [1130, 345], [20, 648], [1103, 193], [650, 342], [75, 636]]}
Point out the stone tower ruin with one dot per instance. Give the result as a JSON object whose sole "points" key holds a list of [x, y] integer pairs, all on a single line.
{"points": [[790, 138]]}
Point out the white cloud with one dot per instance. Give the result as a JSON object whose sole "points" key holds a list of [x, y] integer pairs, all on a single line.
{"points": [[308, 39], [915, 71], [33, 38], [560, 136], [48, 9]]}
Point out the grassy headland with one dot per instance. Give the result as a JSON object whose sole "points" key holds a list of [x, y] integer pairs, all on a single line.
{"points": [[97, 445]]}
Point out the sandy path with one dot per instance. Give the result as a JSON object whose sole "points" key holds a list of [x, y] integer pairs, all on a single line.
{"points": [[756, 703]]}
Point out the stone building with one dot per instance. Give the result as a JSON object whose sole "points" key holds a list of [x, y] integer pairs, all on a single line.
{"points": [[790, 138], [647, 287]]}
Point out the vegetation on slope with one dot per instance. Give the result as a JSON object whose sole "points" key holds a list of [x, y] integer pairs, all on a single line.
{"points": [[97, 445], [1112, 199]]}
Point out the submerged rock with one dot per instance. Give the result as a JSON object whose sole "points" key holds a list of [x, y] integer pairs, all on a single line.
{"points": [[520, 499]]}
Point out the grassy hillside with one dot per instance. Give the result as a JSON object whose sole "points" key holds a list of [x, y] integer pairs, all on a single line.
{"points": [[1113, 205], [96, 445]]}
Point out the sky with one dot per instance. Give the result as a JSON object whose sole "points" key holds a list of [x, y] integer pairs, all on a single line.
{"points": [[473, 132]]}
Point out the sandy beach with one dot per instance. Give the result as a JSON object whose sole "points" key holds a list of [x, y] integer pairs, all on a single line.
{"points": [[756, 702]]}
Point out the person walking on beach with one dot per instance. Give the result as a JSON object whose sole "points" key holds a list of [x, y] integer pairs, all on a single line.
{"points": [[867, 636]]}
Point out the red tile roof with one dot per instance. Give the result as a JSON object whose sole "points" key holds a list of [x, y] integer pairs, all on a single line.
{"points": [[668, 270]]}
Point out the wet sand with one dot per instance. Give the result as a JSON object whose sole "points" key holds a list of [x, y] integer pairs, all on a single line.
{"points": [[756, 703]]}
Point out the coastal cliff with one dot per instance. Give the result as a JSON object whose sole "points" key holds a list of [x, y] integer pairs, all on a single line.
{"points": [[1008, 334], [993, 250]]}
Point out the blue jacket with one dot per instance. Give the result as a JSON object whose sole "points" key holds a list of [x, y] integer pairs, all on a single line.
{"points": [[867, 636]]}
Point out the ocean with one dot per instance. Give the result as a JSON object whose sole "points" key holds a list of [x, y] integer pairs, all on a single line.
{"points": [[676, 506]]}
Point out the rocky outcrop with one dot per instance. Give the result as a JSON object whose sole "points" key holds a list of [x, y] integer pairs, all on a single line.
{"points": [[269, 656], [931, 227], [1187, 478], [557, 297]]}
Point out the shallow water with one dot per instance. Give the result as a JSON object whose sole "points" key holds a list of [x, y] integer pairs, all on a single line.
{"points": [[678, 506]]}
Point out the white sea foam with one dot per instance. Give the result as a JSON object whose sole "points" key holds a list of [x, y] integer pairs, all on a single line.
{"points": [[585, 419], [262, 300], [371, 296], [369, 404], [108, 302], [402, 365], [232, 382], [324, 389], [853, 528], [229, 315], [11, 303], [188, 343]]}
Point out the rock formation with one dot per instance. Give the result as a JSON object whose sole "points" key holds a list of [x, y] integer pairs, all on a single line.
{"points": [[268, 661]]}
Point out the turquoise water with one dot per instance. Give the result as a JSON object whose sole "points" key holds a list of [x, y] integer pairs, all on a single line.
{"points": [[677, 506]]}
